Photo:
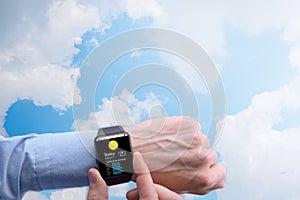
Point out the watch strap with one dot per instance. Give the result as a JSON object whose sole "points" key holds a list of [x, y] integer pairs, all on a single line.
{"points": [[125, 178], [110, 130]]}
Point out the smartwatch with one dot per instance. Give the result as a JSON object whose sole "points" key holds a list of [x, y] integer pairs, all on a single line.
{"points": [[114, 155]]}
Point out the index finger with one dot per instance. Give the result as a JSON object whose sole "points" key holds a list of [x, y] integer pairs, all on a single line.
{"points": [[144, 181]]}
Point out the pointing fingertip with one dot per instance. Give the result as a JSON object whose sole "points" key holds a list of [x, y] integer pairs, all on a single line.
{"points": [[139, 163]]}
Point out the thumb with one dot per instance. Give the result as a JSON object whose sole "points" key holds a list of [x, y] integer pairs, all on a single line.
{"points": [[98, 189]]}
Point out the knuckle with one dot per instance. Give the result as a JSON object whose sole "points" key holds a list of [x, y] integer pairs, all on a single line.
{"points": [[221, 184], [208, 156], [203, 183], [201, 141], [207, 181], [212, 156], [223, 173]]}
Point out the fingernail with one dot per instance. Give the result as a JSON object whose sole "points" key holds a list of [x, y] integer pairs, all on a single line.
{"points": [[92, 178]]}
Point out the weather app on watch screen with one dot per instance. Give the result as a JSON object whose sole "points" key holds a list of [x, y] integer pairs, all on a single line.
{"points": [[114, 156]]}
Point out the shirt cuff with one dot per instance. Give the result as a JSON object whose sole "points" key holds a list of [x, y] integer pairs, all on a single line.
{"points": [[63, 160]]}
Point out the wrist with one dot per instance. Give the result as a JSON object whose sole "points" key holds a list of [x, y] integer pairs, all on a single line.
{"points": [[143, 139]]}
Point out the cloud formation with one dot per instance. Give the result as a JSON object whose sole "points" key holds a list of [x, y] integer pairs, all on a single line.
{"points": [[38, 41], [125, 109], [261, 159], [37, 50], [38, 44], [262, 162], [77, 193], [45, 85], [34, 196], [207, 22]]}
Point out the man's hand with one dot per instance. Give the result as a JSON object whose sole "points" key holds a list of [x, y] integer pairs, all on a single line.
{"points": [[145, 190], [178, 154], [98, 189]]}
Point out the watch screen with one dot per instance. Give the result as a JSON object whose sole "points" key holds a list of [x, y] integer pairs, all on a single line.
{"points": [[114, 155]]}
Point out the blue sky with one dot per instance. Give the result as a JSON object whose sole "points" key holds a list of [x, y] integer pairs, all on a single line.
{"points": [[250, 57], [261, 63], [254, 45]]}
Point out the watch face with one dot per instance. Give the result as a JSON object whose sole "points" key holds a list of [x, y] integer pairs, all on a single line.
{"points": [[114, 155]]}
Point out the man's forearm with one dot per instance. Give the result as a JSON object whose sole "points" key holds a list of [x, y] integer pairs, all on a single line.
{"points": [[40, 162], [172, 148]]}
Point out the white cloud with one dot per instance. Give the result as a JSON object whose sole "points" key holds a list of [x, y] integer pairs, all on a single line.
{"points": [[125, 109], [135, 9], [187, 72], [262, 162], [32, 63], [77, 193], [201, 21], [37, 46], [70, 194], [46, 85], [67, 20], [81, 193], [118, 190], [295, 56], [207, 22], [292, 29], [49, 34], [34, 196], [39, 84], [144, 8]]}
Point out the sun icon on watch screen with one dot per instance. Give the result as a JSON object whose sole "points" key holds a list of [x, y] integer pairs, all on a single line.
{"points": [[113, 145]]}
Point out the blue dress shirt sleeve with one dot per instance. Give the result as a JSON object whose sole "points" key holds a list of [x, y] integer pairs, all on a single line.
{"points": [[46, 161]]}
